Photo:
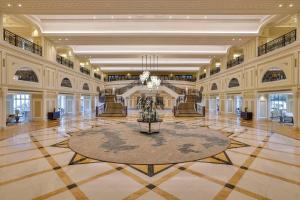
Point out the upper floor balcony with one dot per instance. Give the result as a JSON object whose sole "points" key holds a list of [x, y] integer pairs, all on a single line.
{"points": [[97, 76], [85, 70], [64, 61], [21, 42], [235, 61], [277, 43], [202, 76], [189, 78], [214, 71]]}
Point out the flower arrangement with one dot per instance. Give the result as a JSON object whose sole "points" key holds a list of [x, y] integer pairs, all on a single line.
{"points": [[147, 109]]}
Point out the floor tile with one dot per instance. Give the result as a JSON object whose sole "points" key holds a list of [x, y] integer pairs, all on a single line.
{"points": [[269, 187], [186, 186], [31, 187], [113, 186]]}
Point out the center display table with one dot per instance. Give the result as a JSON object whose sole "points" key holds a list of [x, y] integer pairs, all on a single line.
{"points": [[149, 123]]}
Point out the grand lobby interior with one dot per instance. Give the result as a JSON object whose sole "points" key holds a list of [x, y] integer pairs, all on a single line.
{"points": [[149, 99]]}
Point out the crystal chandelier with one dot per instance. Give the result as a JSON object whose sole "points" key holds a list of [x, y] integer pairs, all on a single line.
{"points": [[152, 82]]}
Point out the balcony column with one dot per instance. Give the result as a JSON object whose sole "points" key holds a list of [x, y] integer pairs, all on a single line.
{"points": [[1, 27], [296, 107], [298, 26], [223, 99], [93, 104], [3, 94], [256, 46], [44, 105], [77, 104]]}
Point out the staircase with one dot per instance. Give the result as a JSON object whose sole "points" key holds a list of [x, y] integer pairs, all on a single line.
{"points": [[113, 108], [187, 107]]}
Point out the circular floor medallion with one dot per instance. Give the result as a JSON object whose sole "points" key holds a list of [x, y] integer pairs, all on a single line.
{"points": [[122, 142]]}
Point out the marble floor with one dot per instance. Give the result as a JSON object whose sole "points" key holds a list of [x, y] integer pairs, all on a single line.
{"points": [[37, 163]]}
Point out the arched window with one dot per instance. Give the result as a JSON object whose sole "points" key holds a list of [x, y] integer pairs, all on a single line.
{"points": [[214, 86], [274, 74], [85, 86], [98, 89], [234, 82], [66, 83], [26, 74]]}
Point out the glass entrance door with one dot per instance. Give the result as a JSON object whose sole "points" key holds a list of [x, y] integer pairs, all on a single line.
{"points": [[85, 104], [65, 104], [18, 107]]}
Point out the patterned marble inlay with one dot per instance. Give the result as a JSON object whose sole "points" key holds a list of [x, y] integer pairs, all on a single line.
{"points": [[176, 143]]}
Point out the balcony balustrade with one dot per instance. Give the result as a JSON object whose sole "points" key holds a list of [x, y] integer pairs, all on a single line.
{"points": [[21, 42], [277, 43], [161, 77], [64, 61], [202, 76], [235, 61], [97, 76], [85, 71], [214, 71]]}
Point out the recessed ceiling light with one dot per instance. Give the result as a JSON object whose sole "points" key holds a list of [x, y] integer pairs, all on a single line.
{"points": [[59, 39], [240, 39], [66, 39], [280, 5], [291, 5], [233, 39], [8, 5], [20, 5]]}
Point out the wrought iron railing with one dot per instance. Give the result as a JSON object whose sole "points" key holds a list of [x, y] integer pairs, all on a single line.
{"points": [[202, 76], [122, 90], [277, 43], [134, 77], [85, 70], [235, 61], [64, 61], [21, 42], [97, 76], [174, 88], [214, 71]]}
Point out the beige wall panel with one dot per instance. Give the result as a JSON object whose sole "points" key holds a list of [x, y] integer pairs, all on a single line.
{"points": [[284, 64], [13, 64]]}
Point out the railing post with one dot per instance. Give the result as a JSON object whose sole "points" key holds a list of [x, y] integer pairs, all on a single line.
{"points": [[2, 30], [16, 40]]}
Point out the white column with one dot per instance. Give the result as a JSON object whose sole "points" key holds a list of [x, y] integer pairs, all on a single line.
{"points": [[298, 26], [3, 95], [77, 104], [296, 111], [1, 26], [298, 114], [93, 104], [254, 110], [44, 106]]}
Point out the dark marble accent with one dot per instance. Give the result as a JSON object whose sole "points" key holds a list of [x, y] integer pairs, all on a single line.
{"points": [[72, 186], [150, 186]]}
